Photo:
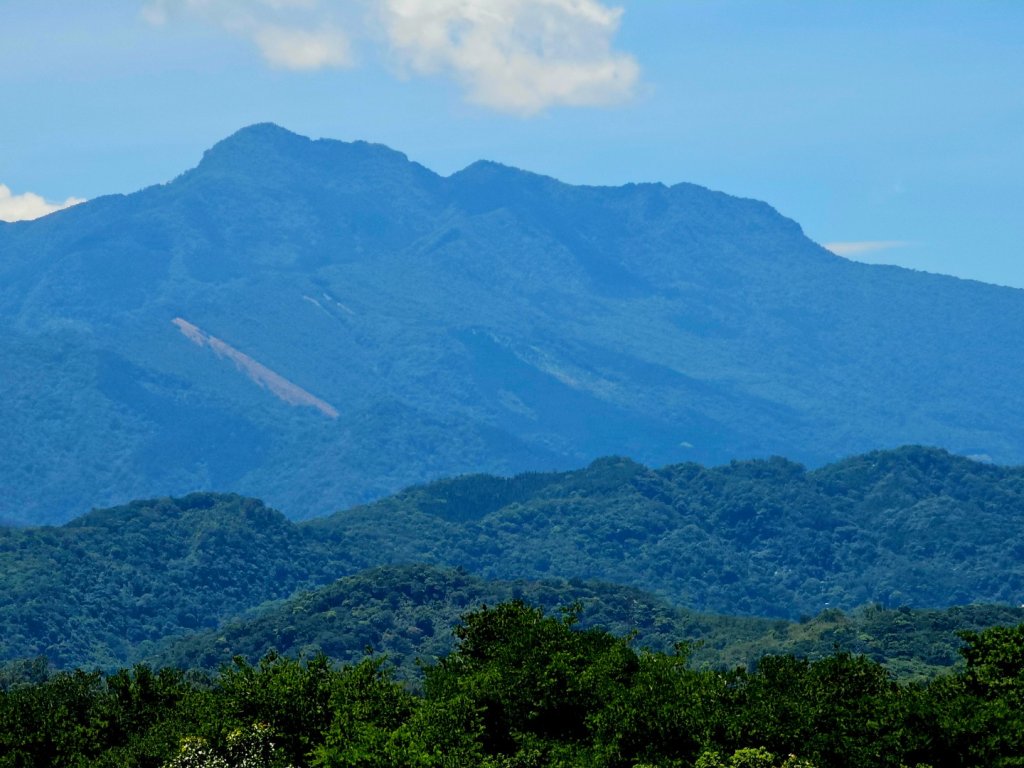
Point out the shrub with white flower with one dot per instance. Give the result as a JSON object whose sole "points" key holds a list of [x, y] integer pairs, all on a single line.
{"points": [[246, 748], [195, 752]]}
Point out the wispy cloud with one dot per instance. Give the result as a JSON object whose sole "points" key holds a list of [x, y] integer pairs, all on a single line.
{"points": [[299, 49], [516, 56], [28, 205], [855, 247], [290, 34]]}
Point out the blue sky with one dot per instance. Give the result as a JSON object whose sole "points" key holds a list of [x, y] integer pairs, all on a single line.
{"points": [[895, 128]]}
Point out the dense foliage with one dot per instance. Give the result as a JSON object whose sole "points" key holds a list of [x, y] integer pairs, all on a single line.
{"points": [[493, 321], [913, 527], [98, 589], [405, 612], [525, 689]]}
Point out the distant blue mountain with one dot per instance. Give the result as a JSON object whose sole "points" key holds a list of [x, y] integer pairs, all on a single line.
{"points": [[318, 323]]}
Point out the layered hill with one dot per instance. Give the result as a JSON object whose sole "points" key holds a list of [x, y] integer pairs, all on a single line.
{"points": [[913, 527], [319, 323], [408, 613]]}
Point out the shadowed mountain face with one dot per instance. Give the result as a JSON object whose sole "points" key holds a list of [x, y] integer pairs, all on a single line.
{"points": [[318, 323]]}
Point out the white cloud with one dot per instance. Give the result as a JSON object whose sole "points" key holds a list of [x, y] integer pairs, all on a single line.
{"points": [[518, 56], [854, 247], [28, 205], [515, 55]]}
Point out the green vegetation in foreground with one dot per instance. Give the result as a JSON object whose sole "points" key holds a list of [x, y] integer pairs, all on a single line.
{"points": [[525, 689]]}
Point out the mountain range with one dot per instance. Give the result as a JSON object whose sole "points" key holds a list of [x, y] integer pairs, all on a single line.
{"points": [[909, 528], [319, 323]]}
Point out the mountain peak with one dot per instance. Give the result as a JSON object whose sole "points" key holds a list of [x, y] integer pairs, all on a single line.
{"points": [[268, 150], [261, 137], [489, 169], [252, 146]]}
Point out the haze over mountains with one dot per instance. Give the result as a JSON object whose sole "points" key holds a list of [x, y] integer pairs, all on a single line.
{"points": [[319, 323]]}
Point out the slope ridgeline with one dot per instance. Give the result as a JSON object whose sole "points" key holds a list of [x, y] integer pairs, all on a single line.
{"points": [[320, 323]]}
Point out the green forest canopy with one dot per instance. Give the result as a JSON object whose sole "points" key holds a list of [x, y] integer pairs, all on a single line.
{"points": [[526, 689]]}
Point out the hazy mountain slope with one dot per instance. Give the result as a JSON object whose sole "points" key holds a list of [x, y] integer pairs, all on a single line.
{"points": [[914, 527], [493, 320]]}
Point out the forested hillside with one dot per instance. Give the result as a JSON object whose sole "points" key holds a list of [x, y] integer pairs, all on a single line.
{"points": [[320, 323], [914, 527], [406, 613]]}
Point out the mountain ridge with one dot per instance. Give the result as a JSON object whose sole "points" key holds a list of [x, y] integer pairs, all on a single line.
{"points": [[492, 320]]}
